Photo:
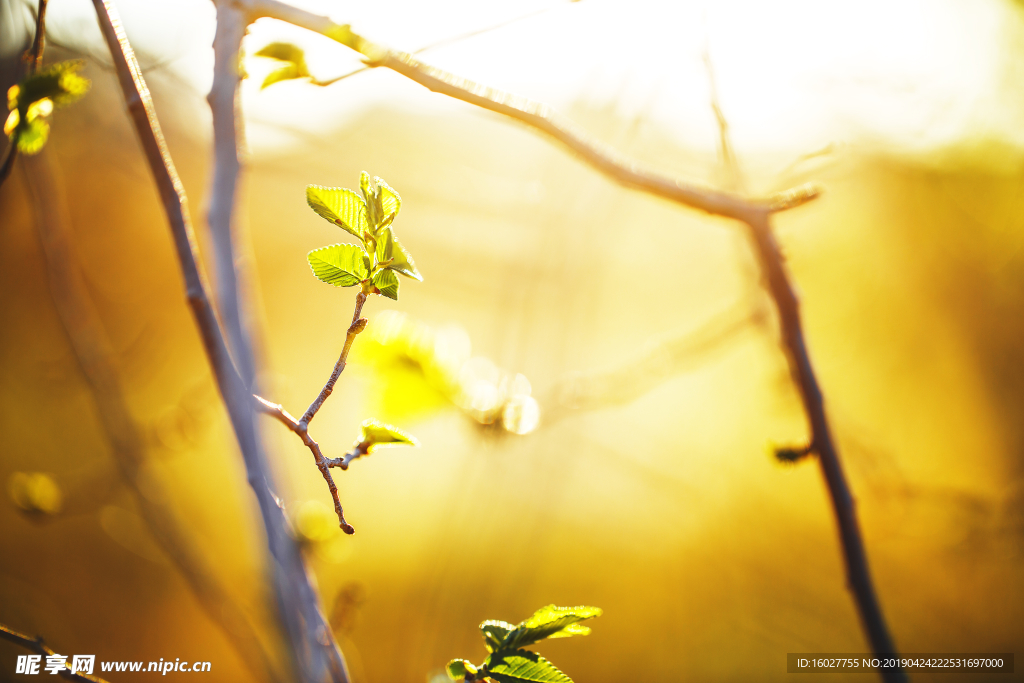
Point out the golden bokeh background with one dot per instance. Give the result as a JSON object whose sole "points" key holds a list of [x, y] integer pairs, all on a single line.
{"points": [[648, 487]]}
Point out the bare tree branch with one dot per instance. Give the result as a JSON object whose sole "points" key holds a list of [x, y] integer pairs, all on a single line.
{"points": [[95, 357], [227, 137], [317, 657], [39, 647], [539, 116]]}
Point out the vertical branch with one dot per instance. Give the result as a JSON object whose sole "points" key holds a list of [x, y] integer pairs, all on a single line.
{"points": [[95, 358], [223, 100], [317, 657], [788, 307]]}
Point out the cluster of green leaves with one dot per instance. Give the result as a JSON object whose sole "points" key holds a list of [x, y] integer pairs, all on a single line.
{"points": [[33, 100], [367, 216], [508, 662]]}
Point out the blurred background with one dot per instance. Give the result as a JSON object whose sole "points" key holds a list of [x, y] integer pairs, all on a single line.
{"points": [[594, 374]]}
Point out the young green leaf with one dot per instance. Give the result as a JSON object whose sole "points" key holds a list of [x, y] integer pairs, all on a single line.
{"points": [[387, 282], [294, 63], [495, 632], [389, 247], [547, 622], [58, 82], [458, 668], [516, 666], [342, 207], [32, 136], [390, 201], [376, 434], [341, 265], [34, 99]]}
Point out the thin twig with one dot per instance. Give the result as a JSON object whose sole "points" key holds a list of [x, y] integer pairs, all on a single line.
{"points": [[96, 359], [39, 647], [357, 326], [34, 57], [754, 213], [301, 427], [316, 655], [276, 411]]}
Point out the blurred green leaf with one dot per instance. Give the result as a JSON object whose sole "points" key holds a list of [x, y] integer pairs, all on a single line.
{"points": [[376, 434], [458, 668], [513, 666], [34, 99], [295, 66], [549, 621], [59, 82], [495, 632], [340, 206], [285, 73], [387, 282], [340, 265], [32, 136], [283, 52]]}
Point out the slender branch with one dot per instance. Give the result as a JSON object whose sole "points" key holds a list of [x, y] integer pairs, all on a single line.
{"points": [[39, 647], [317, 657], [96, 359], [357, 326], [857, 572], [301, 427], [539, 116], [323, 464], [227, 130], [777, 281], [34, 57]]}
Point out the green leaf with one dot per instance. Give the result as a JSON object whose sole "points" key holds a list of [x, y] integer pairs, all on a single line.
{"points": [[285, 73], [59, 82], [283, 52], [458, 668], [514, 666], [548, 621], [376, 434], [341, 265], [387, 282], [390, 201], [389, 247], [32, 136], [495, 633], [295, 66], [340, 206]]}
